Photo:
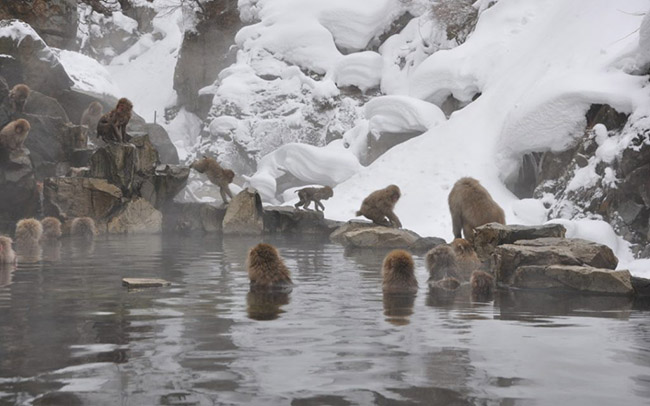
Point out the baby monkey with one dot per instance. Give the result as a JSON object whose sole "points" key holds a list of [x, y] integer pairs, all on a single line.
{"points": [[313, 194]]}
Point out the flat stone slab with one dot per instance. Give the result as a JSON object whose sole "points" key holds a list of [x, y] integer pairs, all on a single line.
{"points": [[491, 235], [144, 282], [584, 279]]}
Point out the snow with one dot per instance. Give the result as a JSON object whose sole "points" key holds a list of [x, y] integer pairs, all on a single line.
{"points": [[17, 30], [87, 74], [394, 114]]}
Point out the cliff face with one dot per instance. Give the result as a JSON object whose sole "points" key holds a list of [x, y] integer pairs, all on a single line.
{"points": [[54, 20]]}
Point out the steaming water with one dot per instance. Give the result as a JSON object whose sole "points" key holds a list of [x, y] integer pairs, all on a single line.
{"points": [[70, 334]]}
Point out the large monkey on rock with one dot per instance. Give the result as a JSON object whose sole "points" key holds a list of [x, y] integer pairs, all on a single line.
{"points": [[471, 206], [379, 205]]}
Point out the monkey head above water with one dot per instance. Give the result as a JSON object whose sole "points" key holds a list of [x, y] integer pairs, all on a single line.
{"points": [[7, 253], [28, 231], [398, 272], [13, 135], [379, 205], [466, 258], [471, 206], [51, 228], [483, 286], [441, 263], [216, 174], [83, 227], [266, 269], [313, 194]]}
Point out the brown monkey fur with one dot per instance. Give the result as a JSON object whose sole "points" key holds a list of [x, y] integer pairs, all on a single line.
{"points": [[217, 175], [398, 273], [482, 284], [13, 134], [266, 269], [51, 228], [471, 206], [17, 96], [441, 263], [313, 194], [111, 127], [28, 231], [379, 205], [7, 253], [466, 258], [90, 117], [83, 227]]}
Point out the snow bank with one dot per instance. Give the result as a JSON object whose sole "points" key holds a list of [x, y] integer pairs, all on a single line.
{"points": [[87, 74], [17, 30], [395, 114]]}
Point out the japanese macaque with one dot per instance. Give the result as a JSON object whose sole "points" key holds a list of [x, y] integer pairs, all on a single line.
{"points": [[83, 227], [466, 258], [12, 135], [483, 285], [51, 229], [17, 96], [7, 253], [398, 273], [111, 127], [90, 118], [28, 231], [313, 194], [471, 206], [217, 175], [441, 263], [379, 205], [266, 270]]}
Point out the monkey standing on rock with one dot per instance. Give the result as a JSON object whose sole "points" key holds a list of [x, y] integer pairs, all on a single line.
{"points": [[18, 95], [471, 206], [111, 127], [379, 205], [217, 175], [12, 136], [313, 194]]}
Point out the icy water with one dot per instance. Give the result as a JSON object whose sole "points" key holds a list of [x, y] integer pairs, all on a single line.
{"points": [[70, 334]]}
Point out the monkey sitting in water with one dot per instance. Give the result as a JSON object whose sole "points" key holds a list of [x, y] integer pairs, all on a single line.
{"points": [[266, 270], [216, 174], [398, 273], [466, 258], [483, 286], [51, 229], [441, 263], [111, 127], [313, 194], [28, 231], [379, 205], [83, 227], [7, 253], [471, 206]]}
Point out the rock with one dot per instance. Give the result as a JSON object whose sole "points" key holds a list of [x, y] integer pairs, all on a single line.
{"points": [[489, 236], [80, 197], [148, 157], [424, 244], [165, 184], [160, 139], [39, 104], [641, 286], [144, 282], [244, 215], [117, 164], [81, 157], [337, 235], [377, 237], [550, 251], [585, 279], [54, 20], [45, 143], [19, 195], [137, 217], [192, 217], [287, 219]]}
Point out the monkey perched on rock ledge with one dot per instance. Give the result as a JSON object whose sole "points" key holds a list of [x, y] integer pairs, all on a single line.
{"points": [[398, 273], [379, 205], [18, 95], [217, 175], [313, 194], [111, 127], [13, 135], [266, 269], [471, 206]]}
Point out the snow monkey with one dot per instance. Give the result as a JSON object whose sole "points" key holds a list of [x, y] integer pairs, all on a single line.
{"points": [[398, 273], [83, 227], [471, 206], [13, 134], [18, 95], [51, 228], [266, 270], [28, 231], [441, 263], [466, 258], [379, 205], [90, 118], [482, 284], [313, 194], [111, 127], [217, 175], [7, 254]]}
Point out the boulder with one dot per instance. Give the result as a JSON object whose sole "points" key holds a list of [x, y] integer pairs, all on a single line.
{"points": [[54, 20], [159, 138], [46, 143], [550, 251], [489, 236], [287, 219], [39, 104], [19, 196], [165, 184], [80, 197], [424, 244], [584, 279], [117, 164], [641, 286], [192, 217], [148, 157], [137, 217], [337, 235], [244, 215], [378, 237]]}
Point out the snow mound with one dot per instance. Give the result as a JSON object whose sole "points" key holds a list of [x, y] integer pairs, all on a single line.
{"points": [[394, 114], [87, 74]]}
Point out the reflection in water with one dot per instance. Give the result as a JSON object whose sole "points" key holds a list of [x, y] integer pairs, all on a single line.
{"points": [[51, 250], [6, 272], [263, 305], [71, 334]]}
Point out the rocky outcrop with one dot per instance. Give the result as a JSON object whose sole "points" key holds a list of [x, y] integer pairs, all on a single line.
{"points": [[244, 215], [641, 286], [188, 218], [573, 278], [167, 181], [19, 193], [54, 20], [489, 236], [159, 138], [137, 217], [286, 219], [374, 237], [422, 245], [80, 197]]}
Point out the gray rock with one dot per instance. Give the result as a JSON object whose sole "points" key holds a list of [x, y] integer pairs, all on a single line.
{"points": [[54, 20], [337, 235], [377, 237], [19, 196], [117, 164], [166, 182], [584, 279], [160, 139], [641, 286], [550, 251], [80, 197], [192, 217], [137, 217], [39, 104], [286, 219], [135, 283], [423, 245], [489, 236], [244, 215]]}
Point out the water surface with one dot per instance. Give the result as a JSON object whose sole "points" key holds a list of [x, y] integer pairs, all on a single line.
{"points": [[70, 334]]}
